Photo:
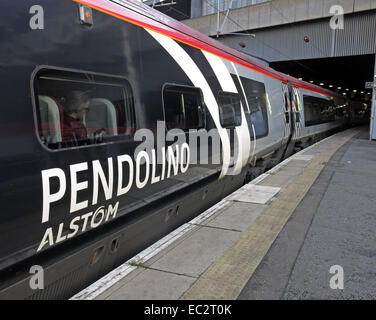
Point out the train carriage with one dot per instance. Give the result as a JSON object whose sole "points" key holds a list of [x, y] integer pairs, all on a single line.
{"points": [[86, 186]]}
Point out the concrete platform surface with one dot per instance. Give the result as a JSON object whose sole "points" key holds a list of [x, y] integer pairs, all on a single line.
{"points": [[334, 225], [274, 238]]}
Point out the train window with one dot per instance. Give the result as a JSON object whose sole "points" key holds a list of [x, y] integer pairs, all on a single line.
{"points": [[256, 107], [229, 109], [183, 107], [297, 106], [318, 111], [77, 108]]}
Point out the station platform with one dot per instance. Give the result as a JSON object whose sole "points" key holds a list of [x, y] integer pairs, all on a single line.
{"points": [[275, 238]]}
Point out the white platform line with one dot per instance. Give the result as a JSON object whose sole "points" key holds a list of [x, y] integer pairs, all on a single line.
{"points": [[107, 281], [120, 272]]}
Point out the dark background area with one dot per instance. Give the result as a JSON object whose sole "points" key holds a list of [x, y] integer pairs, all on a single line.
{"points": [[345, 72]]}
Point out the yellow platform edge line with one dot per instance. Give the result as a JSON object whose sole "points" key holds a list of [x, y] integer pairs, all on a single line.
{"points": [[228, 275]]}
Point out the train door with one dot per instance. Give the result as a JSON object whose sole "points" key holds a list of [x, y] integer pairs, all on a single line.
{"points": [[291, 116], [297, 108], [287, 111]]}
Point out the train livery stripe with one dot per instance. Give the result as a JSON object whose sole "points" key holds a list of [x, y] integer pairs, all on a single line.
{"points": [[249, 111], [228, 85], [127, 14], [195, 75], [194, 40]]}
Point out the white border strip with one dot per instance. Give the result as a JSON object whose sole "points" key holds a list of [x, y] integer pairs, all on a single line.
{"points": [[103, 284], [120, 272]]}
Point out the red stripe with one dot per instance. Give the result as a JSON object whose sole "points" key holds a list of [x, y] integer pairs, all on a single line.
{"points": [[146, 18]]}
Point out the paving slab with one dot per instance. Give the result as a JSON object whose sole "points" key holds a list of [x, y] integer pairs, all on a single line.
{"points": [[278, 181], [153, 285], [311, 152], [178, 260], [254, 194], [289, 171], [119, 284], [297, 163], [304, 157], [238, 216]]}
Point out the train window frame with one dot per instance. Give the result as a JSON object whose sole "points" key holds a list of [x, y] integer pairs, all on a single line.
{"points": [[310, 123], [233, 95], [201, 98], [112, 139], [243, 86]]}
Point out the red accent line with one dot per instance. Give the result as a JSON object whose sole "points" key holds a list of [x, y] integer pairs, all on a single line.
{"points": [[146, 18]]}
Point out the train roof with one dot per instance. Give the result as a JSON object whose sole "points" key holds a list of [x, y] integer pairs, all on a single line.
{"points": [[138, 13]]}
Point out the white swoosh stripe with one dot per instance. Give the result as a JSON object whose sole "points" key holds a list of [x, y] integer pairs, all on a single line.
{"points": [[246, 101], [228, 85], [197, 78]]}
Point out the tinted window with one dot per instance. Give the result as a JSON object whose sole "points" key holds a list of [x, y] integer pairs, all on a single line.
{"points": [[75, 108], [229, 109], [318, 111], [297, 105], [183, 107], [256, 98]]}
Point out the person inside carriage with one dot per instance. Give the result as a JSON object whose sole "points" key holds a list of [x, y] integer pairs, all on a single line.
{"points": [[75, 107]]}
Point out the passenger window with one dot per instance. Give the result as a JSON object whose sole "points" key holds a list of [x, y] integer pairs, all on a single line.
{"points": [[256, 114], [183, 107], [76, 109], [318, 111], [229, 109]]}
